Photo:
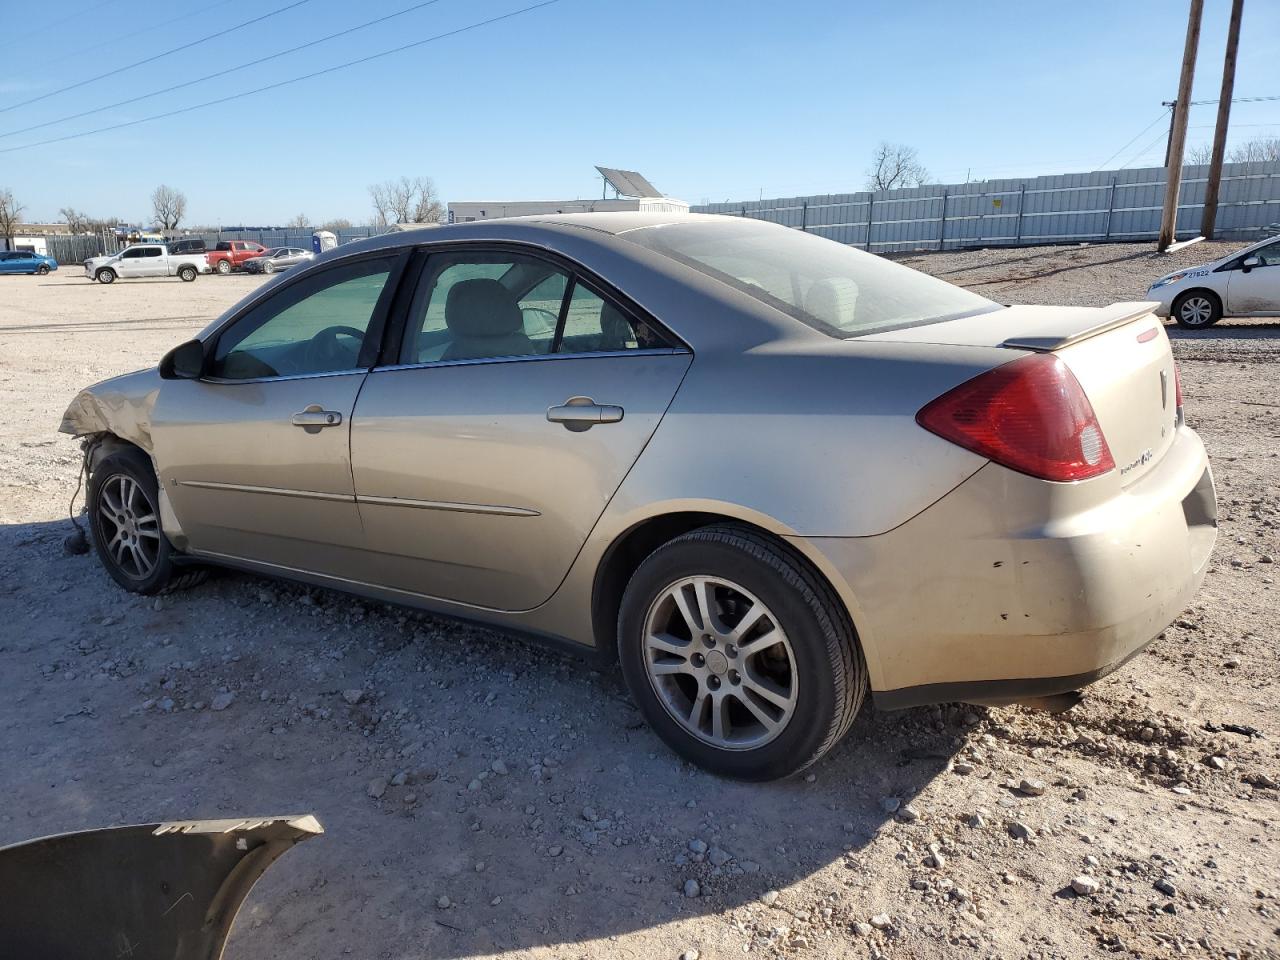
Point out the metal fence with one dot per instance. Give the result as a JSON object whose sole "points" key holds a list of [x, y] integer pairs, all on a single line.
{"points": [[284, 237], [1105, 205], [77, 249]]}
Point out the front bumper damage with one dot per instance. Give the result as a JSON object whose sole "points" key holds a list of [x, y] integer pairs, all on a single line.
{"points": [[157, 890]]}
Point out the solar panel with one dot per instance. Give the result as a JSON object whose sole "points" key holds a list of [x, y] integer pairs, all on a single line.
{"points": [[629, 183]]}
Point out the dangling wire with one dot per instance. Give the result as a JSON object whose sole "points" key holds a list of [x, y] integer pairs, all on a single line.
{"points": [[78, 542]]}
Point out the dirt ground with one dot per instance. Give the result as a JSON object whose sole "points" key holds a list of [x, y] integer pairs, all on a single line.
{"points": [[483, 797]]}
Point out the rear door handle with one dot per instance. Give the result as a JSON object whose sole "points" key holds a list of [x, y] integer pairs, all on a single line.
{"points": [[316, 417], [582, 413]]}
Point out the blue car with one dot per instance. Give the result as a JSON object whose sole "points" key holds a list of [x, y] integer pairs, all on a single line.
{"points": [[23, 261]]}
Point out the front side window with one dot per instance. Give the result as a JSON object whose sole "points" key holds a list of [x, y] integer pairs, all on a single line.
{"points": [[1269, 255], [315, 326], [133, 253], [831, 287]]}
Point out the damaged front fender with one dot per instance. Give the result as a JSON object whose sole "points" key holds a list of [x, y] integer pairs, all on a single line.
{"points": [[159, 891], [120, 406]]}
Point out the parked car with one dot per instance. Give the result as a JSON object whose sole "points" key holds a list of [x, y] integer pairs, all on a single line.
{"points": [[189, 245], [230, 255], [24, 261], [766, 471], [145, 260], [1244, 284], [278, 258]]}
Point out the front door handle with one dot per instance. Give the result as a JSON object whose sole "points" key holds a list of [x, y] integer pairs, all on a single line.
{"points": [[582, 413], [315, 417]]}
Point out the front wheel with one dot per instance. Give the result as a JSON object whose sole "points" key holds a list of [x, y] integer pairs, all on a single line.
{"points": [[187, 274], [738, 654], [1197, 309], [224, 267], [106, 276], [124, 519], [43, 270]]}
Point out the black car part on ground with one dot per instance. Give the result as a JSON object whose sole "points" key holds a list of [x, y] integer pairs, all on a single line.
{"points": [[157, 890]]}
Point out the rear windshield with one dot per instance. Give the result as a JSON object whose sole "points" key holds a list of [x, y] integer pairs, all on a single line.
{"points": [[833, 288]]}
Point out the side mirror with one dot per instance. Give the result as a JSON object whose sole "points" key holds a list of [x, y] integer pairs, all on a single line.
{"points": [[183, 362], [1248, 263]]}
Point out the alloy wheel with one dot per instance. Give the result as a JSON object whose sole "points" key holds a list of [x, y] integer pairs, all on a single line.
{"points": [[720, 662], [130, 526], [1196, 311]]}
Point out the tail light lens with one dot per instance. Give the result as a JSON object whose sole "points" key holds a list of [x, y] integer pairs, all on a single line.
{"points": [[1029, 415], [1179, 419]]}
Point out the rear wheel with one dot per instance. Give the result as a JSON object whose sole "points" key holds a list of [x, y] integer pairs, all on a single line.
{"points": [[1197, 309], [187, 274], [224, 267], [124, 519], [268, 267], [43, 270], [738, 654], [106, 275]]}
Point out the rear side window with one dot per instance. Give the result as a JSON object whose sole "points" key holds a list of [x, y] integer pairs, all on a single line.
{"points": [[471, 306], [831, 287]]}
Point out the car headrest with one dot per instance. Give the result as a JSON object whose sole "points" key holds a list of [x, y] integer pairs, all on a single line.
{"points": [[615, 329], [833, 300], [482, 308]]}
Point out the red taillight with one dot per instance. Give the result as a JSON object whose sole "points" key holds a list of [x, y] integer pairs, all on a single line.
{"points": [[1029, 415]]}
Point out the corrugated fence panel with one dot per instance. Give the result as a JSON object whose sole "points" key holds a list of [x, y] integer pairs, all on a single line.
{"points": [[1101, 205]]}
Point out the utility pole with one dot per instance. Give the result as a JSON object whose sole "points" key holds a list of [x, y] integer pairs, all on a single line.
{"points": [[1173, 169], [1214, 185]]}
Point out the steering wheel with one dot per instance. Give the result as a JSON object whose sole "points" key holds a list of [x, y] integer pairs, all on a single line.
{"points": [[550, 326], [324, 352]]}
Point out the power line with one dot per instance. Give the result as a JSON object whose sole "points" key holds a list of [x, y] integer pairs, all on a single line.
{"points": [[56, 23], [220, 73], [185, 46], [203, 11], [1144, 150], [1103, 165], [1197, 103], [282, 83]]}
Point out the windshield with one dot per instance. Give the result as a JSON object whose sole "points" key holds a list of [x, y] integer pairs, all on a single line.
{"points": [[833, 288]]}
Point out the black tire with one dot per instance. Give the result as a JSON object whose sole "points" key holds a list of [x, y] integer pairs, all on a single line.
{"points": [[105, 275], [1202, 309], [831, 675], [223, 267], [187, 274], [43, 270], [133, 465]]}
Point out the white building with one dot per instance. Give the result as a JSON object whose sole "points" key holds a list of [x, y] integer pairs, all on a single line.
{"points": [[631, 192]]}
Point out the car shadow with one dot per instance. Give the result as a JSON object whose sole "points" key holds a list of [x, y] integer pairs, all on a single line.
{"points": [[1228, 328], [479, 794]]}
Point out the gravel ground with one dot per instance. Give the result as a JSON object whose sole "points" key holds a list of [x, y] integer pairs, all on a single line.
{"points": [[483, 797]]}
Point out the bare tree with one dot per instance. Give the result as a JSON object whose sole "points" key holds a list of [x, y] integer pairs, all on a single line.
{"points": [[300, 222], [77, 221], [168, 207], [1259, 148], [895, 165], [1198, 155], [407, 200], [333, 226], [10, 214]]}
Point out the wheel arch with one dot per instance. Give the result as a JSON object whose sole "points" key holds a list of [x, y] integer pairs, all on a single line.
{"points": [[633, 545], [1206, 291]]}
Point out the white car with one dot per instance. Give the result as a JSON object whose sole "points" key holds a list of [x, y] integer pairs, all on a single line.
{"points": [[1245, 284], [146, 260]]}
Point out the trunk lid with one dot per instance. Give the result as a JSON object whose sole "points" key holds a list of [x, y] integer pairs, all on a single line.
{"points": [[1119, 354]]}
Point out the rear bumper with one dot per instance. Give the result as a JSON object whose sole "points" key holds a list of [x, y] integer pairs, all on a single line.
{"points": [[978, 598]]}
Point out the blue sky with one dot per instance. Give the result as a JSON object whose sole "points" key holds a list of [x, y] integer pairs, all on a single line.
{"points": [[710, 100]]}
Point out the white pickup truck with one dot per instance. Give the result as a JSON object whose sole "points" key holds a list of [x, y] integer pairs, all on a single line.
{"points": [[146, 260]]}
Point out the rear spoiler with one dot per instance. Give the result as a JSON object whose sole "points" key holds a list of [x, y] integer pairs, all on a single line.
{"points": [[1116, 315]]}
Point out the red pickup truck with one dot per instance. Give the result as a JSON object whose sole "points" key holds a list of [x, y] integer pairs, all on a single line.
{"points": [[230, 255]]}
